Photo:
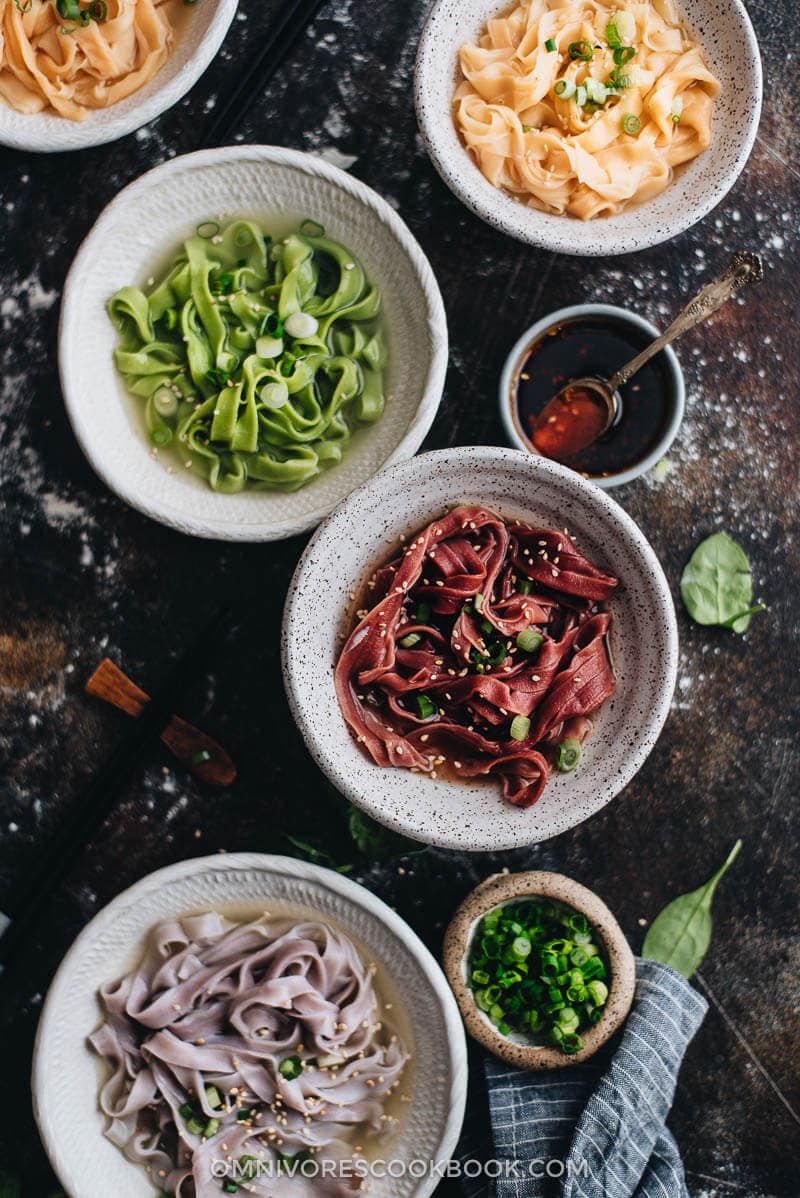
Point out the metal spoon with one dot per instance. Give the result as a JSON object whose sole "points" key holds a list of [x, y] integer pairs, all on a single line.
{"points": [[743, 270]]}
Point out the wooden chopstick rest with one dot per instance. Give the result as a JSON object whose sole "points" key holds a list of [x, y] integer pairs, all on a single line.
{"points": [[201, 754]]}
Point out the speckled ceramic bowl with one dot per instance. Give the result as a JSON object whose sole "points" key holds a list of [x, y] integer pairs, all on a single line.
{"points": [[519, 352], [722, 27], [365, 530], [518, 1050], [140, 230]]}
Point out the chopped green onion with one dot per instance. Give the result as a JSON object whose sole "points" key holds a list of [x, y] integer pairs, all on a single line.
{"points": [[98, 10], [425, 707], [580, 95], [623, 55], [529, 641], [165, 401], [213, 1097], [677, 109], [631, 124], [520, 727], [68, 9], [291, 1068], [408, 642], [596, 91], [478, 602], [186, 1111], [571, 1043], [581, 51], [569, 754], [550, 45], [243, 1115], [211, 1128], [312, 228], [161, 436], [194, 1126], [207, 229], [198, 759], [272, 324], [274, 395], [228, 1187], [301, 324], [564, 89], [424, 613], [626, 26], [525, 587], [612, 35], [269, 347], [619, 81], [599, 992]]}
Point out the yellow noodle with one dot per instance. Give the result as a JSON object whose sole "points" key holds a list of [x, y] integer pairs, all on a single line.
{"points": [[554, 155], [48, 63]]}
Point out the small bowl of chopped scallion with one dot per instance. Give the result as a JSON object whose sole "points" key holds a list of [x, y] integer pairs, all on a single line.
{"points": [[541, 970]]}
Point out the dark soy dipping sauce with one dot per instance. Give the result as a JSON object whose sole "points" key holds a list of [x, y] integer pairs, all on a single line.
{"points": [[596, 345]]}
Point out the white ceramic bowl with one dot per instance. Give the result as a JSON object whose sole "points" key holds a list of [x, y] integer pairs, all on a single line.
{"points": [[67, 1074], [364, 531], [194, 49], [722, 27], [133, 238], [516, 358]]}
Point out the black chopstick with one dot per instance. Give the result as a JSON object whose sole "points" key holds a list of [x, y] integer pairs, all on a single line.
{"points": [[288, 27], [92, 807]]}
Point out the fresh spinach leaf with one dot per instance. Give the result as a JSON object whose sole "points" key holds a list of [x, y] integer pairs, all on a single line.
{"points": [[373, 840], [717, 585], [680, 934]]}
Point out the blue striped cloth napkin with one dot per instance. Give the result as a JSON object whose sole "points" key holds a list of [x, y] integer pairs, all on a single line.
{"points": [[596, 1130]]}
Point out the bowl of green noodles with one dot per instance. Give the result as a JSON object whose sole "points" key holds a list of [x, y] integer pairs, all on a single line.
{"points": [[247, 334]]}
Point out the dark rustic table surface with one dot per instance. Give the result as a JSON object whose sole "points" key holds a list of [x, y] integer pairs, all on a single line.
{"points": [[82, 576]]}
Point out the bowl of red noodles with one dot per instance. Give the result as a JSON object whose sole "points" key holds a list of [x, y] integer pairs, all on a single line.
{"points": [[479, 648]]}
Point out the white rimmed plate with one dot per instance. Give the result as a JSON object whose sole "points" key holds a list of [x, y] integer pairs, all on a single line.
{"points": [[139, 232], [364, 531], [195, 47], [724, 30], [67, 1074]]}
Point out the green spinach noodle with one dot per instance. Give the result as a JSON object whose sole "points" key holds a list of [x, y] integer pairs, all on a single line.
{"points": [[256, 358]]}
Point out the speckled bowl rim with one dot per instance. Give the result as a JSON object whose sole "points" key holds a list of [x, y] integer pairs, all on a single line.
{"points": [[240, 867], [596, 238], [261, 158], [48, 133], [501, 889], [467, 457], [513, 363]]}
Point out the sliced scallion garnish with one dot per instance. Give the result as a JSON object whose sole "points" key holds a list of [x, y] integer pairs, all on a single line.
{"points": [[529, 641], [564, 89], [581, 51], [550, 45], [568, 755], [520, 727], [631, 124], [207, 229]]}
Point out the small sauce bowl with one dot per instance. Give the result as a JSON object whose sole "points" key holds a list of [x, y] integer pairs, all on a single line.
{"points": [[515, 1048], [663, 376]]}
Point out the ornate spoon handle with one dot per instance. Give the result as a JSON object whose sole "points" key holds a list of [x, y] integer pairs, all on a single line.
{"points": [[742, 270]]}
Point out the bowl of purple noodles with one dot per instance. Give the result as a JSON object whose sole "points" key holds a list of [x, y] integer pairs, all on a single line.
{"points": [[249, 1023]]}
